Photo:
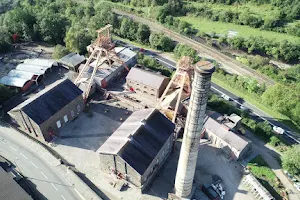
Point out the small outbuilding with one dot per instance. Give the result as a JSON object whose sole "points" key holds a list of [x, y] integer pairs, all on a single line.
{"points": [[45, 113], [146, 82], [72, 61], [139, 147]]}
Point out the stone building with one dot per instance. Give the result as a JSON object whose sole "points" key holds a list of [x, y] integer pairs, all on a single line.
{"points": [[139, 147], [235, 146], [45, 113], [146, 82]]}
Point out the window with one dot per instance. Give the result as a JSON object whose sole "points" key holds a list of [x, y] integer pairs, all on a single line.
{"points": [[66, 118], [58, 124], [72, 113], [78, 108]]}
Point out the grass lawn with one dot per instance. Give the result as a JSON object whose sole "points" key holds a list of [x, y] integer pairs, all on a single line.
{"points": [[282, 118], [266, 176], [205, 25], [261, 10]]}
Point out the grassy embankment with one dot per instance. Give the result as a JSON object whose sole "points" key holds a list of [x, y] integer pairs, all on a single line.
{"points": [[247, 97], [261, 170]]}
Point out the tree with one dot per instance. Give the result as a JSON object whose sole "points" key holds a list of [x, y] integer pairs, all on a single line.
{"points": [[60, 51], [143, 33], [20, 21], [52, 26], [5, 40], [77, 39], [291, 160]]}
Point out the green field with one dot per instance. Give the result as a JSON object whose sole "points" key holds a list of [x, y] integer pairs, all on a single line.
{"points": [[261, 10], [205, 25]]}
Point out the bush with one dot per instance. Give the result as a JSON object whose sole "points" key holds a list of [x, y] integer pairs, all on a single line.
{"points": [[274, 141], [60, 51]]}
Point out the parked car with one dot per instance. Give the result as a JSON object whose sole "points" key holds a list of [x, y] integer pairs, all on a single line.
{"points": [[297, 185], [224, 96], [278, 130], [244, 108]]}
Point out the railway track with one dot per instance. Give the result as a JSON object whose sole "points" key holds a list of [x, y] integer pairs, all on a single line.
{"points": [[229, 64]]}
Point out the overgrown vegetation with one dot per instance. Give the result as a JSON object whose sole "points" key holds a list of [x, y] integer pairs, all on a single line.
{"points": [[6, 93], [291, 160], [152, 64], [261, 170]]}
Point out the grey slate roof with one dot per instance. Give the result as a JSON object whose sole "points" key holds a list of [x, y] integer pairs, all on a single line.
{"points": [[139, 139], [220, 130], [146, 77], [72, 60], [9, 189], [49, 101]]}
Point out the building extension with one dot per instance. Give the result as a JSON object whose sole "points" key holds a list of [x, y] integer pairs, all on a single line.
{"points": [[147, 83], [45, 113], [139, 147], [72, 61], [235, 146]]}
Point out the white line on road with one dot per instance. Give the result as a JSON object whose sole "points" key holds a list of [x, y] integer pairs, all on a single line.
{"points": [[13, 148], [23, 156], [44, 175], [54, 187], [33, 164], [63, 197]]}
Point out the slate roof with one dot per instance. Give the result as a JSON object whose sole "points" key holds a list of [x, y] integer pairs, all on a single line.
{"points": [[49, 101], [146, 77], [139, 139], [223, 132], [125, 53], [10, 189], [72, 60]]}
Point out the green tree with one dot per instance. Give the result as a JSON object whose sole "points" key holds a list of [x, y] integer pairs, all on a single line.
{"points": [[60, 51], [143, 33], [5, 40], [52, 26], [291, 160], [77, 39]]}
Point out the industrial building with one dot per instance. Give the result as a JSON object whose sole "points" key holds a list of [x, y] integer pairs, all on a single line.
{"points": [[222, 137], [147, 83], [43, 114], [72, 61], [139, 147], [10, 189], [104, 74], [28, 73], [126, 55]]}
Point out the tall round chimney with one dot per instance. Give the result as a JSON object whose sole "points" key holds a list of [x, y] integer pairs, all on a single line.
{"points": [[193, 127]]}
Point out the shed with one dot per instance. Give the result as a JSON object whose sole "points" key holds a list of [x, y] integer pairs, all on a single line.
{"points": [[139, 147], [72, 61], [126, 55], [147, 82]]}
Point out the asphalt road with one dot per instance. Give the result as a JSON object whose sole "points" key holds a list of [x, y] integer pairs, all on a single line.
{"points": [[255, 112], [38, 171]]}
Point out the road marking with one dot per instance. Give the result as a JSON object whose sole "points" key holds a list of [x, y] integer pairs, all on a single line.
{"points": [[13, 148], [23, 156], [44, 175], [33, 164], [54, 187], [63, 197]]}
